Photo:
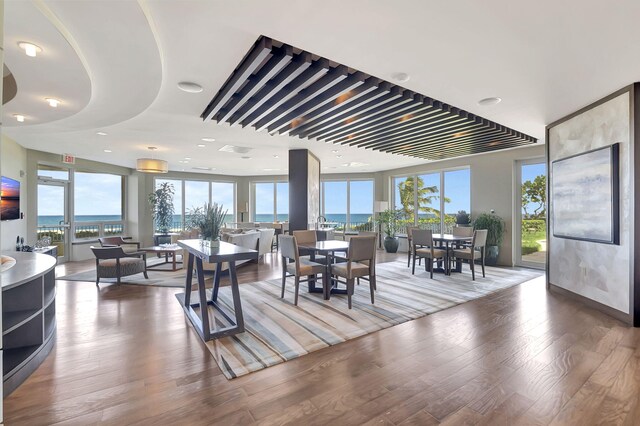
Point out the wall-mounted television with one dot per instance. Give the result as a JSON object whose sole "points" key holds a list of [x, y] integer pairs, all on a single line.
{"points": [[9, 199]]}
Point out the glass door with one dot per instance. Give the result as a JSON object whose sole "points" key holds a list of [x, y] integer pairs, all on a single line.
{"points": [[53, 216], [531, 214]]}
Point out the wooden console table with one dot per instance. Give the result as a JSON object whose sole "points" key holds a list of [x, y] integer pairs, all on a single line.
{"points": [[200, 252]]}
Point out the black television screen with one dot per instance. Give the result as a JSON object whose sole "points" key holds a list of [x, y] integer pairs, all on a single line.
{"points": [[9, 199]]}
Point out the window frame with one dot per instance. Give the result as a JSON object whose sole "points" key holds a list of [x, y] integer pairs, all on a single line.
{"points": [[442, 192]]}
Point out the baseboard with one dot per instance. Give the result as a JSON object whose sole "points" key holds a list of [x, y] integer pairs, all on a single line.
{"points": [[621, 316]]}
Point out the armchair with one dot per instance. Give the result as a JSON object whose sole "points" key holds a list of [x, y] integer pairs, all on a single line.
{"points": [[114, 262], [128, 245]]}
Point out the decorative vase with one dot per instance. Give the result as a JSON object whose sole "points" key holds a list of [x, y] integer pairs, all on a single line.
{"points": [[214, 243], [491, 255], [391, 244]]}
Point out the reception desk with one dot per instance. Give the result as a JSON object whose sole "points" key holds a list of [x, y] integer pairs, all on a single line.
{"points": [[28, 315]]}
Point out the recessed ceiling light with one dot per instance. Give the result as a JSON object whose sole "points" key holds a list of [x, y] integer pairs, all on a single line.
{"points": [[338, 156], [183, 161], [30, 49], [101, 133], [402, 77], [246, 158], [52, 102], [236, 149], [107, 150], [201, 145], [276, 156], [489, 101], [335, 151], [208, 139], [189, 87], [202, 168], [187, 158], [19, 118]]}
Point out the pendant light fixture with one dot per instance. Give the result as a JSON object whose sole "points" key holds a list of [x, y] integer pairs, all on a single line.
{"points": [[151, 165]]}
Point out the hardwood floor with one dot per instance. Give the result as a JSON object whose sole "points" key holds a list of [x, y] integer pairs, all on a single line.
{"points": [[126, 355]]}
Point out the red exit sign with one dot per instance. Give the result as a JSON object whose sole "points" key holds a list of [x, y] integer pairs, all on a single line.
{"points": [[68, 159]]}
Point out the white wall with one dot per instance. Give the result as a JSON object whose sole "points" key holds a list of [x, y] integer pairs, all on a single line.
{"points": [[600, 272], [14, 161]]}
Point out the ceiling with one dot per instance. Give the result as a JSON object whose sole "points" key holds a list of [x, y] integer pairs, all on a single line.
{"points": [[115, 66]]}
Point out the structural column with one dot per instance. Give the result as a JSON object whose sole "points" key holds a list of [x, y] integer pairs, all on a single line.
{"points": [[304, 189]]}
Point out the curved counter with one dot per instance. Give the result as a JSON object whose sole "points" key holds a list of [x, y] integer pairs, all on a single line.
{"points": [[28, 315]]}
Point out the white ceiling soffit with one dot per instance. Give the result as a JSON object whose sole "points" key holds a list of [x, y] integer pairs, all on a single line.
{"points": [[545, 59], [57, 72]]}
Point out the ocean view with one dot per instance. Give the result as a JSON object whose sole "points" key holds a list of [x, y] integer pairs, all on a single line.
{"points": [[55, 220]]}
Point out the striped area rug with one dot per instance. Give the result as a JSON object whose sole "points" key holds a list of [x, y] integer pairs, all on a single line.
{"points": [[278, 331]]}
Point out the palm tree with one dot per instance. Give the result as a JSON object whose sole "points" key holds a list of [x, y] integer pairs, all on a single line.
{"points": [[427, 196]]}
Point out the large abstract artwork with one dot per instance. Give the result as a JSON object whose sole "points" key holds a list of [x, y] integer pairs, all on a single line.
{"points": [[585, 194]]}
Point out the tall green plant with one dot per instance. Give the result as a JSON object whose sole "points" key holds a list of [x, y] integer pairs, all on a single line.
{"points": [[161, 201], [494, 225], [389, 218], [208, 220]]}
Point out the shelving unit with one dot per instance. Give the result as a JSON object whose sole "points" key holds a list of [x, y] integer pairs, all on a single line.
{"points": [[28, 316]]}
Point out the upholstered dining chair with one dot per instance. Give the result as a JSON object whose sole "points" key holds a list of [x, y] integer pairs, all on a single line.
{"points": [[463, 231], [299, 266], [423, 248], [410, 230], [308, 237], [360, 264], [475, 251], [114, 262]]}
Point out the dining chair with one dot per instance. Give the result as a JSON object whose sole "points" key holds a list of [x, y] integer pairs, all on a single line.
{"points": [[475, 251], [308, 237], [410, 229], [295, 266], [423, 248], [360, 264]]}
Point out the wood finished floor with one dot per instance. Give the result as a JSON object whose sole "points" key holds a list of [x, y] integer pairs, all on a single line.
{"points": [[126, 355]]}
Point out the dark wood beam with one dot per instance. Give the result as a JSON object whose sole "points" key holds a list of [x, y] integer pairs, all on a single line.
{"points": [[258, 53]]}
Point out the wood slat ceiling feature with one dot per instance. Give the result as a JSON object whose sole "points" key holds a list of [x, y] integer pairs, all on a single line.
{"points": [[285, 90]]}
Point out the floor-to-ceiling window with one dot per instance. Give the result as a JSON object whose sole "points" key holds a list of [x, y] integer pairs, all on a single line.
{"points": [[264, 202], [348, 204], [361, 204], [437, 197], [531, 224], [224, 194], [98, 204], [191, 194], [457, 188], [270, 201]]}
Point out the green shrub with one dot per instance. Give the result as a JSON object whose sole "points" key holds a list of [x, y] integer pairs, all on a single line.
{"points": [[534, 225], [494, 225]]}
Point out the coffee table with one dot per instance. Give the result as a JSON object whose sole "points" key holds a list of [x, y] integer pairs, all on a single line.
{"points": [[170, 252]]}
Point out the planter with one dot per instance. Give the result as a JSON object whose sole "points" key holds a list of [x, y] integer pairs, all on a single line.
{"points": [[491, 255], [391, 244]]}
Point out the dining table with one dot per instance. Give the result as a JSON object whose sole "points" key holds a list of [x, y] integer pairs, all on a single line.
{"points": [[449, 242], [328, 249]]}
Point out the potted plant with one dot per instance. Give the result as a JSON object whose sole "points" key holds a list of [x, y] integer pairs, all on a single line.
{"points": [[208, 220], [161, 201], [389, 218], [496, 228], [463, 218]]}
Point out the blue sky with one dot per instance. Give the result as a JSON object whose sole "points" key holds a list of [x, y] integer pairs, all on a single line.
{"points": [[94, 194]]}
